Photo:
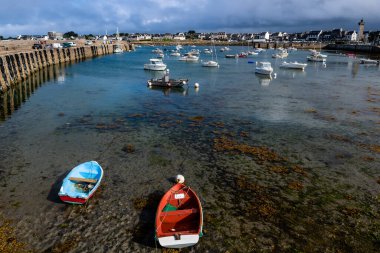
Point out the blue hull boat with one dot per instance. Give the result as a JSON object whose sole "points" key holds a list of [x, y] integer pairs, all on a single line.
{"points": [[81, 183]]}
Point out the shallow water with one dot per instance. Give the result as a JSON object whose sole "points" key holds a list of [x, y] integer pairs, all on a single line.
{"points": [[282, 164]]}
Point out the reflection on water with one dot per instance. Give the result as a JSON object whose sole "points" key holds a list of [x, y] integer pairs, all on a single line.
{"points": [[264, 80], [13, 98], [167, 91]]}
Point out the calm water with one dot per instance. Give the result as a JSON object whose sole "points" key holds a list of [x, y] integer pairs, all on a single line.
{"points": [[285, 164]]}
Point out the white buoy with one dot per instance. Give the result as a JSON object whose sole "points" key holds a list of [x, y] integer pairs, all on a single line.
{"points": [[196, 85], [180, 179], [275, 75], [149, 83]]}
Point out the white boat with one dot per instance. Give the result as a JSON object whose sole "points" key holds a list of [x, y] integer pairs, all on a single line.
{"points": [[155, 64], [175, 53], [210, 64], [207, 51], [263, 68], [194, 52], [258, 50], [291, 49], [117, 48], [189, 57], [293, 65], [369, 61], [316, 58], [281, 54], [178, 47], [252, 53], [157, 51], [225, 49]]}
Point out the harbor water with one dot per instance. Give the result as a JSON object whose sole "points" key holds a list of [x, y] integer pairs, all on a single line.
{"points": [[288, 163]]}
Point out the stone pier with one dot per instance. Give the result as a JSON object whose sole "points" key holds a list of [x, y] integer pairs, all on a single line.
{"points": [[16, 67]]}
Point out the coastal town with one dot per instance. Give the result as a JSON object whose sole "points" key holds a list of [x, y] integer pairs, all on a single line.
{"points": [[339, 35]]}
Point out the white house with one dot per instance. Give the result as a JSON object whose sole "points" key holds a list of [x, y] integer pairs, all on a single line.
{"points": [[179, 36], [313, 35], [351, 36], [261, 37]]}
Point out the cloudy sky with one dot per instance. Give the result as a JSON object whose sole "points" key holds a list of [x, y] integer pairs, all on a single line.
{"points": [[159, 16]]}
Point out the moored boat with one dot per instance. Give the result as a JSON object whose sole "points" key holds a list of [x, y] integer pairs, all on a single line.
{"points": [[231, 55], [81, 183], [263, 68], [189, 57], [166, 82], [210, 64], [293, 65], [369, 61], [179, 218], [316, 58], [155, 64]]}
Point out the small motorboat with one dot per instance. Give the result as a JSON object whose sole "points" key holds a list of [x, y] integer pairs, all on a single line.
{"points": [[166, 82], [189, 57], [293, 65], [81, 183], [179, 217], [155, 64], [210, 64], [369, 61], [231, 55], [263, 68], [316, 58]]}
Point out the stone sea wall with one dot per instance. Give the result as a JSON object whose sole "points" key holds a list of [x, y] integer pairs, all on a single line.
{"points": [[18, 66], [354, 48]]}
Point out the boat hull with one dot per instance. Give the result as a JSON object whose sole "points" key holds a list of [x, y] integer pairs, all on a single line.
{"points": [[72, 190], [185, 241], [154, 67], [179, 218]]}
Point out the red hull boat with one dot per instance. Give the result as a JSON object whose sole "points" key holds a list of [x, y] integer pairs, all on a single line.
{"points": [[179, 218]]}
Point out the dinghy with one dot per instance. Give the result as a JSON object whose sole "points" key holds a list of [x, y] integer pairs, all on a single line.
{"points": [[179, 218], [81, 183]]}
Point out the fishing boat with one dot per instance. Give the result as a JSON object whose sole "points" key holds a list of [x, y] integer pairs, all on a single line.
{"points": [[263, 68], [166, 82], [155, 64], [81, 183], [179, 217], [293, 65]]}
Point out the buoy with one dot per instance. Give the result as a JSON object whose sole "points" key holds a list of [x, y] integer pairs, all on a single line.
{"points": [[275, 75], [196, 85], [180, 179], [184, 82], [149, 83]]}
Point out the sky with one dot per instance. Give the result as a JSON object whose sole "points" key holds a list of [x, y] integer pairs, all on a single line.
{"points": [[159, 16]]}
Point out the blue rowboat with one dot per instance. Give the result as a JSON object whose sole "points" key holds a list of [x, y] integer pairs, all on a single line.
{"points": [[81, 183]]}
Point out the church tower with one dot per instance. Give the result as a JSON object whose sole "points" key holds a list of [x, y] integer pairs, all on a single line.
{"points": [[361, 31]]}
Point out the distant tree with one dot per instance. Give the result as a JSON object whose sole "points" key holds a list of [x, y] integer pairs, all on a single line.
{"points": [[190, 34], [70, 34], [89, 36]]}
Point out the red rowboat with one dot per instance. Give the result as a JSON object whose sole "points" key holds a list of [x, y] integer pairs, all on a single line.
{"points": [[179, 218]]}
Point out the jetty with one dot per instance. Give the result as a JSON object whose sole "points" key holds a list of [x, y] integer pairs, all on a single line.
{"points": [[18, 61]]}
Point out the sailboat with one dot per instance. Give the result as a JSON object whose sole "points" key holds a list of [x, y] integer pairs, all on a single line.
{"points": [[212, 63], [117, 48]]}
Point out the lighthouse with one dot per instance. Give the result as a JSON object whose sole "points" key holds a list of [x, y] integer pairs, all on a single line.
{"points": [[361, 31]]}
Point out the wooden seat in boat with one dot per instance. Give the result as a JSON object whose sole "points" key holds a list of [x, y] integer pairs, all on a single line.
{"points": [[84, 180], [179, 212]]}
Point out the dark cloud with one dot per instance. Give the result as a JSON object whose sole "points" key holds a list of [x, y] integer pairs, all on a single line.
{"points": [[95, 16]]}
